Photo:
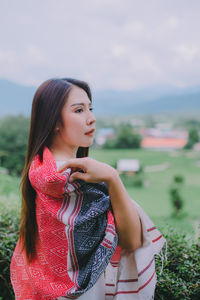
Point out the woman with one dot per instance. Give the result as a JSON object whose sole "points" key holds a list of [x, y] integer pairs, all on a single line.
{"points": [[81, 235]]}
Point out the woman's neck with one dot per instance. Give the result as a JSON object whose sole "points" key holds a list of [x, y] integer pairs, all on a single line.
{"points": [[63, 154]]}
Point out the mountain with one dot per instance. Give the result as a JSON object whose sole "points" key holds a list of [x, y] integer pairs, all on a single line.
{"points": [[148, 101], [15, 99]]}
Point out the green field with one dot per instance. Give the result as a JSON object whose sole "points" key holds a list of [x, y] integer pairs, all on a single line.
{"points": [[153, 197]]}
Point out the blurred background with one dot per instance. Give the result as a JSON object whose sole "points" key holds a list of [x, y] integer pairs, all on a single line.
{"points": [[142, 61]]}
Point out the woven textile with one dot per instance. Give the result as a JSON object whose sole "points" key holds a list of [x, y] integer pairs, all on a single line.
{"points": [[77, 242]]}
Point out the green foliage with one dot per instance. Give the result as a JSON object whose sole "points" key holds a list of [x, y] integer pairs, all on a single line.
{"points": [[176, 199], [126, 138], [193, 138], [132, 180], [110, 144], [180, 277], [191, 123], [13, 143], [178, 179], [175, 194], [9, 225]]}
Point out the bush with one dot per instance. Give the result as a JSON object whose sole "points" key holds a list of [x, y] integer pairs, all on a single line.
{"points": [[9, 225], [175, 194], [136, 180], [180, 277], [13, 143], [192, 139]]}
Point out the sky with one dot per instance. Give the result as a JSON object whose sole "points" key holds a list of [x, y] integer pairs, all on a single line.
{"points": [[112, 44]]}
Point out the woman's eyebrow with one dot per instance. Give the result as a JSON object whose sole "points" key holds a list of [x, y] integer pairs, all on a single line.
{"points": [[81, 103]]}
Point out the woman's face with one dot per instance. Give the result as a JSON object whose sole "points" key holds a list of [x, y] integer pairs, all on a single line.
{"points": [[77, 119]]}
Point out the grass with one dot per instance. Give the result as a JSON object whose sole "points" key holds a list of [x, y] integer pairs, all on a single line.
{"points": [[9, 193], [154, 196]]}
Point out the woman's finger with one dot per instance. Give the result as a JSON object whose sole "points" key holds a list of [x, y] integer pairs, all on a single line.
{"points": [[77, 175], [76, 163]]}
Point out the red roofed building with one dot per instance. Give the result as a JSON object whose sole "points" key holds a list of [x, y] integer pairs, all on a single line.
{"points": [[163, 143], [164, 139]]}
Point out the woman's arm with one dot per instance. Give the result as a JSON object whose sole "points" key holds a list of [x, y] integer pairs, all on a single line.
{"points": [[127, 221], [126, 217]]}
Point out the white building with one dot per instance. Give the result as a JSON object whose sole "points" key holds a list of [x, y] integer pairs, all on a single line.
{"points": [[128, 165]]}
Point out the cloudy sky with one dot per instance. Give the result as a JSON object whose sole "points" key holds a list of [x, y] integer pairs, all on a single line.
{"points": [[113, 44]]}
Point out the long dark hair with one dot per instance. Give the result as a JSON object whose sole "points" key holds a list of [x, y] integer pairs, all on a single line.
{"points": [[47, 105]]}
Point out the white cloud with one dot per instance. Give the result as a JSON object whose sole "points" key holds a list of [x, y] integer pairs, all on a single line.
{"points": [[35, 56], [187, 53], [8, 59], [134, 28], [119, 50], [172, 23]]}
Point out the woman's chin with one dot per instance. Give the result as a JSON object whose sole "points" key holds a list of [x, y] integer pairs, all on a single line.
{"points": [[88, 144]]}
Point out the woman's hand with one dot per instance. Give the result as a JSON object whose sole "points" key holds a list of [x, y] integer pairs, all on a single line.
{"points": [[126, 217], [94, 171]]}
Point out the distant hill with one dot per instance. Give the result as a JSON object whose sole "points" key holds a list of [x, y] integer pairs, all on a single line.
{"points": [[143, 103], [15, 99]]}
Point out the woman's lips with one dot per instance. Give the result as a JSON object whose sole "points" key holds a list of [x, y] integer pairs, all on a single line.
{"points": [[90, 133]]}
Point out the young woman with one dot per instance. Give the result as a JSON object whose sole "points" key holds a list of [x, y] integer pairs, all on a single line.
{"points": [[81, 235]]}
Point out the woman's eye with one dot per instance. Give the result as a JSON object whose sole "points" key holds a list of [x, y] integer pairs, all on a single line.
{"points": [[79, 110], [91, 108]]}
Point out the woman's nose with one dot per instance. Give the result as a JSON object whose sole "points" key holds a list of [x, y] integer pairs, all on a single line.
{"points": [[91, 118]]}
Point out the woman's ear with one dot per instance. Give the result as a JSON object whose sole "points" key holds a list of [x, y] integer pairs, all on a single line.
{"points": [[57, 127]]}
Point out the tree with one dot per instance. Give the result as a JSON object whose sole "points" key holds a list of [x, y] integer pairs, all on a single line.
{"points": [[175, 194], [13, 143], [126, 138], [192, 139]]}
